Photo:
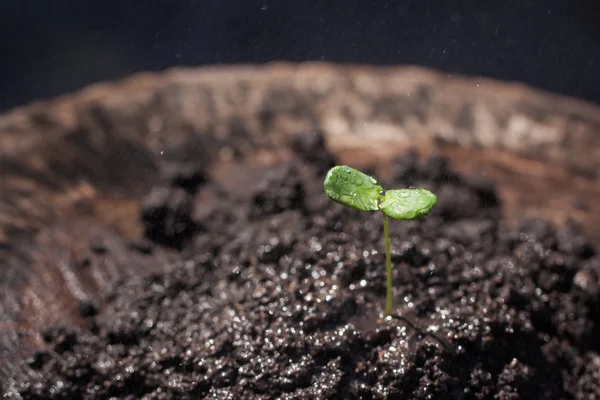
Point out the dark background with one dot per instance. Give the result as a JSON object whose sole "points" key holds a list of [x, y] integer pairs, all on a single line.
{"points": [[51, 47]]}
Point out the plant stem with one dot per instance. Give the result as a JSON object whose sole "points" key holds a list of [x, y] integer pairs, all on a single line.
{"points": [[388, 266]]}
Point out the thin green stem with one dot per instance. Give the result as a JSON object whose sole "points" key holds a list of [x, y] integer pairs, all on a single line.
{"points": [[388, 266]]}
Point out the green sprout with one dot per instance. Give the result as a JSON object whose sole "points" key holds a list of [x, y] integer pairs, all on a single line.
{"points": [[359, 191]]}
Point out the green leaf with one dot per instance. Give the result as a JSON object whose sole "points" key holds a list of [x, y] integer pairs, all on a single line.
{"points": [[352, 188], [408, 203]]}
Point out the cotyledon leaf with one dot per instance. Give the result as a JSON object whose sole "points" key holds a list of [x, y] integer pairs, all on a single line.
{"points": [[352, 188], [408, 203]]}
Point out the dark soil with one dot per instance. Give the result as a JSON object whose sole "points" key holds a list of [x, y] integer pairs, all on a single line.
{"points": [[279, 294]]}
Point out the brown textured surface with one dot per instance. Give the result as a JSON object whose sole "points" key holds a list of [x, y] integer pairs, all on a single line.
{"points": [[76, 166]]}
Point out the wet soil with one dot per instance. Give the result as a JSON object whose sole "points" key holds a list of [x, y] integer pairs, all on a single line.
{"points": [[279, 293]]}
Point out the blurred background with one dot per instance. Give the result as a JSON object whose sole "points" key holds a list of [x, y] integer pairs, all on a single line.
{"points": [[52, 47]]}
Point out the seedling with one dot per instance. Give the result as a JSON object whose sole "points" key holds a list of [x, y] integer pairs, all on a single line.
{"points": [[359, 191]]}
